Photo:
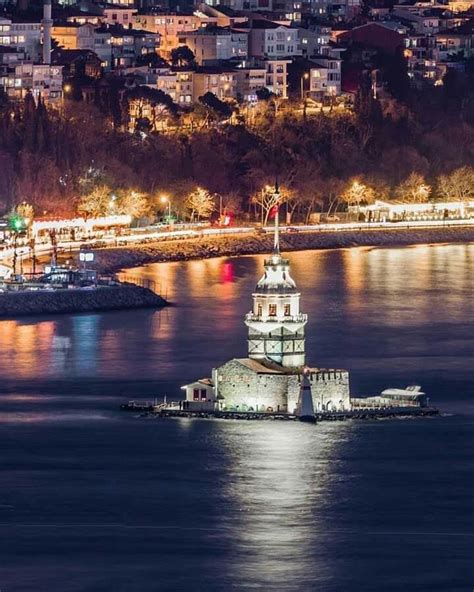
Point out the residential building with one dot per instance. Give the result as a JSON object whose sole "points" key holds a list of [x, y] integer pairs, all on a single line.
{"points": [[250, 79], [118, 15], [276, 77], [170, 27], [71, 35], [271, 40], [77, 62], [325, 77], [41, 79], [221, 82], [179, 84], [23, 36], [427, 22], [223, 16], [313, 40], [129, 44], [212, 44], [455, 43], [373, 36], [239, 81]]}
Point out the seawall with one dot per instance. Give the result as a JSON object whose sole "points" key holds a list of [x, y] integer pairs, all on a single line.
{"points": [[109, 260], [126, 296]]}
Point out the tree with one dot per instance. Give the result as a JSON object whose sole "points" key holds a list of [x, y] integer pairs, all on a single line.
{"points": [[413, 189], [97, 203], [219, 109], [26, 212], [264, 94], [182, 57], [150, 109], [459, 184], [131, 203], [200, 203], [268, 198], [357, 193]]}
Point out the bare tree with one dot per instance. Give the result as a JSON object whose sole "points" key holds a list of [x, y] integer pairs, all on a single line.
{"points": [[267, 198], [413, 189], [459, 184]]}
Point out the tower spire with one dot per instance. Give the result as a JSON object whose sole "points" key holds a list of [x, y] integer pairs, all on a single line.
{"points": [[276, 242]]}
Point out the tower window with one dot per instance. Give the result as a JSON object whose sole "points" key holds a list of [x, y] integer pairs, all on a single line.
{"points": [[287, 310], [272, 310], [259, 310]]}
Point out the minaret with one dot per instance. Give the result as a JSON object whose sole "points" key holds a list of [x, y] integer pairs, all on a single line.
{"points": [[276, 326], [47, 25]]}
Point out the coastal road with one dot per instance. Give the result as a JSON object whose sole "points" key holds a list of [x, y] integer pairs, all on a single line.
{"points": [[144, 236]]}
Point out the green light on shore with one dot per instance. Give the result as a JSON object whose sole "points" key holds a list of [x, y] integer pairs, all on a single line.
{"points": [[17, 224]]}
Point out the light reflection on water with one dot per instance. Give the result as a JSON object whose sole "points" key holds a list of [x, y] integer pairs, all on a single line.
{"points": [[279, 479]]}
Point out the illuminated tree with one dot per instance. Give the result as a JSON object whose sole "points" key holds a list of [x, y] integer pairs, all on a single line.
{"points": [[131, 203], [413, 189], [267, 198], [96, 203], [459, 184], [26, 212], [200, 203], [357, 193]]}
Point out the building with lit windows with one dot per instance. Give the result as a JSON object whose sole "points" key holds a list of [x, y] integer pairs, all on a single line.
{"points": [[171, 27], [212, 44], [276, 77], [86, 36], [23, 36], [325, 77], [40, 79], [272, 40]]}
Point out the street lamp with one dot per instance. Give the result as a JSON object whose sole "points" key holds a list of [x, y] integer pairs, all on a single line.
{"points": [[165, 199], [304, 77]]}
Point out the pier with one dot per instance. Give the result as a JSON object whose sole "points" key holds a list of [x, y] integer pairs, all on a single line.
{"points": [[148, 410]]}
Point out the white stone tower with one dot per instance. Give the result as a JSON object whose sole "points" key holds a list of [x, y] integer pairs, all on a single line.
{"points": [[276, 326]]}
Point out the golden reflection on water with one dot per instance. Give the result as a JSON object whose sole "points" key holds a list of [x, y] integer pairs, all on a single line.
{"points": [[405, 287]]}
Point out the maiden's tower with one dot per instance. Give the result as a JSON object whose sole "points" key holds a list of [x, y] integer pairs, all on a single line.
{"points": [[269, 379]]}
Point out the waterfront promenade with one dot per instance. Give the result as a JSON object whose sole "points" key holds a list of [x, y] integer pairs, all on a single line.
{"points": [[153, 245]]}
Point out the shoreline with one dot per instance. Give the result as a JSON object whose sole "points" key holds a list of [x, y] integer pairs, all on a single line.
{"points": [[123, 258], [65, 301]]}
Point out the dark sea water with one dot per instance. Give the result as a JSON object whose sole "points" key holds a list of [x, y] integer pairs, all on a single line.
{"points": [[95, 499]]}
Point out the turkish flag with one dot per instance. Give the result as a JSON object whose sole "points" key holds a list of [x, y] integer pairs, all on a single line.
{"points": [[273, 211]]}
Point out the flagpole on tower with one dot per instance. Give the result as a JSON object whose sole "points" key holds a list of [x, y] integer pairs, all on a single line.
{"points": [[276, 243]]}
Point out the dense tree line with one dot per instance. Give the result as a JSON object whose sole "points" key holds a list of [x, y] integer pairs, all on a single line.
{"points": [[51, 158]]}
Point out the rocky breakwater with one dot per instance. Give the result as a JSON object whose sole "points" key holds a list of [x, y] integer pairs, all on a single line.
{"points": [[59, 301], [252, 244]]}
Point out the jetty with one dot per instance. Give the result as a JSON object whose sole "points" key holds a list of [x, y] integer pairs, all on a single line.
{"points": [[150, 409], [40, 298]]}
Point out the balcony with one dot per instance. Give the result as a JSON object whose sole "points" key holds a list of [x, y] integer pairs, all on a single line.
{"points": [[299, 318]]}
